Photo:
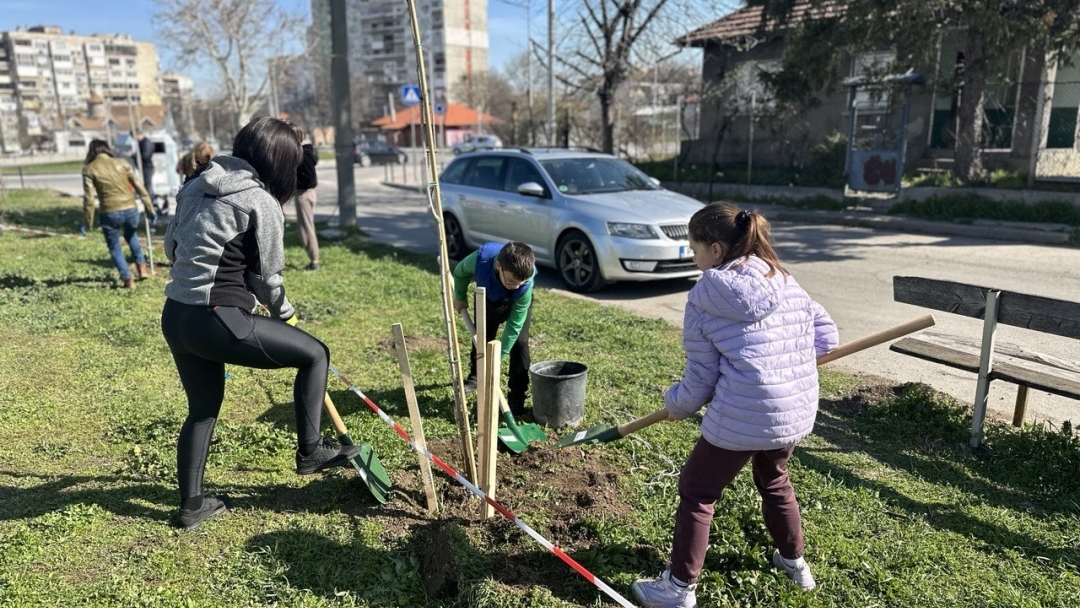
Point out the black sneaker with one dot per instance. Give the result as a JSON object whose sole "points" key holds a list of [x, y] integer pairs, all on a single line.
{"points": [[326, 456], [312, 266], [190, 519], [470, 385]]}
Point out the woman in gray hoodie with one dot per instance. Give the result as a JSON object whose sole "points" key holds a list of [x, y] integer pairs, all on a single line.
{"points": [[226, 247]]}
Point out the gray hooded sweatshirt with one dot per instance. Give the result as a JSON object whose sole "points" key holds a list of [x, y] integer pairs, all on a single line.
{"points": [[225, 242]]}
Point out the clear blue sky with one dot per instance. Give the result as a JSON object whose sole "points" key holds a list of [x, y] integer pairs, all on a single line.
{"points": [[505, 22], [133, 17]]}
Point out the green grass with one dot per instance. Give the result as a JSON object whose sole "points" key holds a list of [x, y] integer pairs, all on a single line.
{"points": [[967, 207], [74, 166], [327, 155], [897, 511]]}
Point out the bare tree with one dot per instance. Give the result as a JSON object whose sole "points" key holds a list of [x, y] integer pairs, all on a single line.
{"points": [[238, 36]]}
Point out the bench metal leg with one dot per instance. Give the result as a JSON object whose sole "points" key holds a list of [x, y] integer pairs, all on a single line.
{"points": [[986, 364], [1021, 405]]}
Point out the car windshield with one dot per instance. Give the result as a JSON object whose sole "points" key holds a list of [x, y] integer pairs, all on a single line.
{"points": [[593, 175]]}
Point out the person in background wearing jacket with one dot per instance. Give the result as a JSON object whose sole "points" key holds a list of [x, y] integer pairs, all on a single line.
{"points": [[192, 164], [226, 247], [752, 336], [305, 201], [110, 181]]}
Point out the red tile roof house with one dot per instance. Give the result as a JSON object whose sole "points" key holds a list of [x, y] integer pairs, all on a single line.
{"points": [[738, 45]]}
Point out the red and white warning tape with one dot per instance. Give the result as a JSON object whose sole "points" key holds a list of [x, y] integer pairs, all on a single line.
{"points": [[475, 490], [65, 235], [42, 232]]}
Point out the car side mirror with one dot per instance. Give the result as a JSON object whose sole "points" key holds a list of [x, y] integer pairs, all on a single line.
{"points": [[654, 180], [531, 189]]}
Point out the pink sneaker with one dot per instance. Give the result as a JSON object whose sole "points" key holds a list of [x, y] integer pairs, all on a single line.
{"points": [[662, 592]]}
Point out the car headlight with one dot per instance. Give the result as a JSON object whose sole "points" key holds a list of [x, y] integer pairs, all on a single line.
{"points": [[631, 231]]}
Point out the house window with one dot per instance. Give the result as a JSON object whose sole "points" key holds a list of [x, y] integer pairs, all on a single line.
{"points": [[749, 92]]}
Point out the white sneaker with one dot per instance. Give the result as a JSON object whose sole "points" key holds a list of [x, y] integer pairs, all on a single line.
{"points": [[663, 593], [797, 570]]}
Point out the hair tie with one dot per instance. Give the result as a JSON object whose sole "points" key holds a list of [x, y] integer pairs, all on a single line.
{"points": [[742, 220]]}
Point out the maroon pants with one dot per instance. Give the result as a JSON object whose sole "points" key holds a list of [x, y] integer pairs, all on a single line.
{"points": [[706, 474]]}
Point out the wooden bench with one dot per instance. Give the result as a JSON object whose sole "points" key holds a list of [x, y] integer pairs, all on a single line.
{"points": [[992, 361]]}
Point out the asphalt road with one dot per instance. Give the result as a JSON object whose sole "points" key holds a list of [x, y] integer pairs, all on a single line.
{"points": [[848, 270]]}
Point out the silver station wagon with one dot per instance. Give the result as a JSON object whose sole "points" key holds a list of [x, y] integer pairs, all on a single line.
{"points": [[592, 217]]}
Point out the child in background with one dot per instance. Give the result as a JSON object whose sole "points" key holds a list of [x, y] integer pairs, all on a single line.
{"points": [[752, 337], [506, 272]]}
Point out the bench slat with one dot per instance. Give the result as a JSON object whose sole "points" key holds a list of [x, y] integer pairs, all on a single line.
{"points": [[1037, 313], [938, 348], [1047, 379], [1011, 363]]}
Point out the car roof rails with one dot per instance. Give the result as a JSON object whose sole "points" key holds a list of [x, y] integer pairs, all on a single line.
{"points": [[526, 151]]}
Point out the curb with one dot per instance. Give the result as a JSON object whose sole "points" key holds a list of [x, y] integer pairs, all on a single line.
{"points": [[408, 187], [1001, 231]]}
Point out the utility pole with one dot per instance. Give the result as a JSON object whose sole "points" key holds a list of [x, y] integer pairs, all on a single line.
{"points": [[343, 134], [551, 74]]}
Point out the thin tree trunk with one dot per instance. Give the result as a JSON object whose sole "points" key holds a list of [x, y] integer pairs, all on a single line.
{"points": [[607, 125], [968, 165]]}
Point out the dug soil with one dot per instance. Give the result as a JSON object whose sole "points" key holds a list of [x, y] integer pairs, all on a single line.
{"points": [[554, 491]]}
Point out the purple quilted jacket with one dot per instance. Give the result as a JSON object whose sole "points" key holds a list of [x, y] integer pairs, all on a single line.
{"points": [[751, 346]]}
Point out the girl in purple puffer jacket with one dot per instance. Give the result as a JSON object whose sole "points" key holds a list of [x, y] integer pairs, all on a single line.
{"points": [[752, 337]]}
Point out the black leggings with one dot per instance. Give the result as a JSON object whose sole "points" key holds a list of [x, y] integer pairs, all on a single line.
{"points": [[517, 374], [201, 345]]}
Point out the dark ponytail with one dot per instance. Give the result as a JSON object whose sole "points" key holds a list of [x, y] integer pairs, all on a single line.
{"points": [[742, 233], [97, 146]]}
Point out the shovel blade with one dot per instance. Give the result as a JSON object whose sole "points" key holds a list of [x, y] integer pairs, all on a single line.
{"points": [[510, 440], [595, 434], [370, 470]]}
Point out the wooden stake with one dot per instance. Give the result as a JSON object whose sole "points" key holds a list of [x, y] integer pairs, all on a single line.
{"points": [[487, 422], [414, 417]]}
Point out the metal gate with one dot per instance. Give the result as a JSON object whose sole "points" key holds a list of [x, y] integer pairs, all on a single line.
{"points": [[877, 131]]}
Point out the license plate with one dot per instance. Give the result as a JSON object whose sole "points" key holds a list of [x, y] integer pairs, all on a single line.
{"points": [[684, 252]]}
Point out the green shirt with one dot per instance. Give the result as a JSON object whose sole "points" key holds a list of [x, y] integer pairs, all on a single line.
{"points": [[465, 273]]}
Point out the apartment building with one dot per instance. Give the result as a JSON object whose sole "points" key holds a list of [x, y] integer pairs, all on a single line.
{"points": [[177, 93], [51, 75], [382, 54]]}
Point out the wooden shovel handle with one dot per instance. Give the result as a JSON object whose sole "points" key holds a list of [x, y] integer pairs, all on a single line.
{"points": [[874, 339], [633, 426], [840, 351], [469, 325], [334, 417]]}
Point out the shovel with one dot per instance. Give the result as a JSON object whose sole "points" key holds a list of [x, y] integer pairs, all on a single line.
{"points": [[366, 463], [605, 434], [515, 437]]}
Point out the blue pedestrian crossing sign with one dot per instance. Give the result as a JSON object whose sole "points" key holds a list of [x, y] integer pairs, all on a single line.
{"points": [[410, 95], [439, 109]]}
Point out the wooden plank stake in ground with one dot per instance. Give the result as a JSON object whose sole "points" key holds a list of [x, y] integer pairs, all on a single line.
{"points": [[487, 419], [414, 417]]}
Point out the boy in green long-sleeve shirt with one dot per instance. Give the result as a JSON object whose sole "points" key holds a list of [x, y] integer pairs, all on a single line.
{"points": [[507, 273]]}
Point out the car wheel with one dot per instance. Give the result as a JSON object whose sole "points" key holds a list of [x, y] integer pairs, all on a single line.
{"points": [[455, 237], [456, 151], [364, 160], [402, 159], [578, 266]]}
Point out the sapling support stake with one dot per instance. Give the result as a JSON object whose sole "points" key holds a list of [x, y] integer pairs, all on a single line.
{"points": [[461, 411]]}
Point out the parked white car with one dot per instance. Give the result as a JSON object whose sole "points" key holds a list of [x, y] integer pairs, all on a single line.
{"points": [[476, 142], [592, 217]]}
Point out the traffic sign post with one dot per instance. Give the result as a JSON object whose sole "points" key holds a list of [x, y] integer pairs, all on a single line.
{"points": [[410, 95]]}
